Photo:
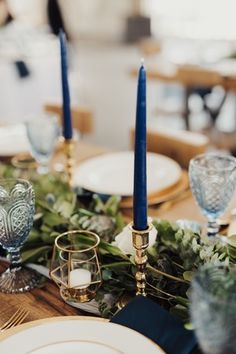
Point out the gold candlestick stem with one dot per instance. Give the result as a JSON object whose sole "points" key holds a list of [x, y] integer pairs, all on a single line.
{"points": [[69, 146], [140, 243]]}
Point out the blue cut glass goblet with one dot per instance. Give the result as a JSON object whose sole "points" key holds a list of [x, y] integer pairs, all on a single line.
{"points": [[213, 181], [17, 206], [213, 308], [43, 133]]}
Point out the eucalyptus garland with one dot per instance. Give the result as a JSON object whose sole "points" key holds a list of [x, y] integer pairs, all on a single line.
{"points": [[176, 254]]}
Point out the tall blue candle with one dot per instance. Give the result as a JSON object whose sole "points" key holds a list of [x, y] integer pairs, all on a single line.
{"points": [[140, 175], [67, 126]]}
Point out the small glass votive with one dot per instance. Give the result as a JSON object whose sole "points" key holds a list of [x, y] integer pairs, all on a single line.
{"points": [[75, 267], [25, 165], [213, 308]]}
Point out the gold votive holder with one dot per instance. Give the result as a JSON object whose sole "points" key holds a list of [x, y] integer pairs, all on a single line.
{"points": [[69, 151], [140, 242], [25, 165], [75, 266]]}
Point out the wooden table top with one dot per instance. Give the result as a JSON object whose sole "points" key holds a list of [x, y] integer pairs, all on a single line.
{"points": [[40, 302], [46, 301]]}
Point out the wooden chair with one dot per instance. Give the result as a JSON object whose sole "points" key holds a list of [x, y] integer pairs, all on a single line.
{"points": [[181, 146], [82, 118], [193, 75]]}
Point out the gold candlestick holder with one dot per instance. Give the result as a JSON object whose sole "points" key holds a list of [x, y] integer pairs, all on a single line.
{"points": [[140, 243], [69, 148]]}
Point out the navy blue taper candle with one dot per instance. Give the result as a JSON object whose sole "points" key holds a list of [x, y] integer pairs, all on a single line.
{"points": [[67, 126], [140, 174]]}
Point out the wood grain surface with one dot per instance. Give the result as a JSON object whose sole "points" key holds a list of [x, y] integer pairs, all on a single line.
{"points": [[41, 303]]}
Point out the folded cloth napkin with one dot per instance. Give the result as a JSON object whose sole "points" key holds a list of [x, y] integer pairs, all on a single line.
{"points": [[148, 318], [22, 69]]}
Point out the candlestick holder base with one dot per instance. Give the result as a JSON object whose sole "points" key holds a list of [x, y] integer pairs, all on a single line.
{"points": [[140, 243], [69, 149], [77, 295]]}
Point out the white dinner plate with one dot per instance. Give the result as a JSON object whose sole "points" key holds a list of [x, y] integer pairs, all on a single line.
{"points": [[13, 140], [75, 335], [113, 173]]}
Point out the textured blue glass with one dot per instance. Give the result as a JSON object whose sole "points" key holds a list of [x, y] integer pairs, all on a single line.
{"points": [[43, 133], [213, 309], [17, 206], [16, 212], [213, 181]]}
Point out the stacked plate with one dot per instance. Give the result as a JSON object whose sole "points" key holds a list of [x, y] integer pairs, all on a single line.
{"points": [[112, 174], [13, 140]]}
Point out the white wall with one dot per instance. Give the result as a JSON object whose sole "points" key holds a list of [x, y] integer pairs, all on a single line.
{"points": [[101, 19]]}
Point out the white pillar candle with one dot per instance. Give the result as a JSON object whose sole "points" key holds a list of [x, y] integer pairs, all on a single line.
{"points": [[79, 278]]}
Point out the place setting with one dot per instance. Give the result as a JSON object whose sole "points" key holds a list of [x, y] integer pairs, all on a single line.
{"points": [[78, 243], [111, 174]]}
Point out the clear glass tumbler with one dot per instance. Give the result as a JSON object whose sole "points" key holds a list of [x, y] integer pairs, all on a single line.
{"points": [[213, 182], [17, 206], [213, 308], [43, 133]]}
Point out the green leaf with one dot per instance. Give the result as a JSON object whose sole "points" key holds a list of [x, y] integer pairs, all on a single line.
{"points": [[182, 301], [106, 274], [33, 236], [44, 205], [231, 240], [189, 326], [33, 254], [112, 205], [188, 275], [120, 223], [85, 212], [152, 251], [106, 248], [45, 229], [64, 208], [38, 216], [180, 312], [99, 205], [52, 220]]}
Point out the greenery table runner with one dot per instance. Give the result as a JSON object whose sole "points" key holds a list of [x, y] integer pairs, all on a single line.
{"points": [[172, 258]]}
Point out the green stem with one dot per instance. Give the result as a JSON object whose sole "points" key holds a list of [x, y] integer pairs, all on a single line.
{"points": [[159, 272], [86, 212], [116, 264], [161, 291], [157, 296], [178, 265]]}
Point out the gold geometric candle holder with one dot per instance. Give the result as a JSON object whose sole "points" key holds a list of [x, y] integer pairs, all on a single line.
{"points": [[140, 243], [75, 267]]}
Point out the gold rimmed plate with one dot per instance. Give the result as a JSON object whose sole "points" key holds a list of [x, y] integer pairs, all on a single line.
{"points": [[72, 334], [13, 140], [112, 174], [163, 195]]}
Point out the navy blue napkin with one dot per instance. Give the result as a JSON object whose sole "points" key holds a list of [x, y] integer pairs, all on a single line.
{"points": [[22, 69], [147, 317], [86, 195]]}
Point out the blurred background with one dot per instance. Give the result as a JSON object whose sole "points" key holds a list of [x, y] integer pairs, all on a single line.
{"points": [[189, 48]]}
